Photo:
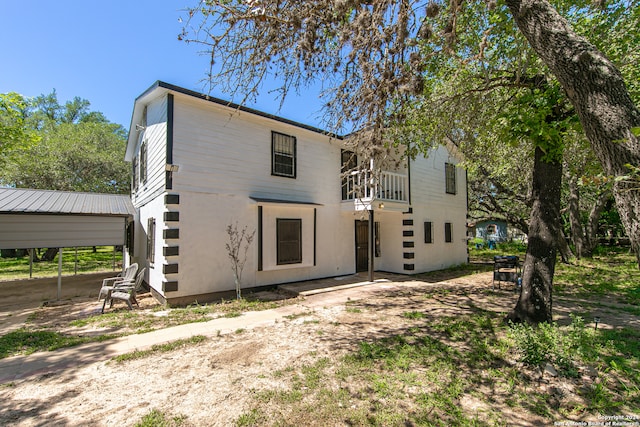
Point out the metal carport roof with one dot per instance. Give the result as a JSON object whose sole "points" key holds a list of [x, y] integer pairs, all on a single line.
{"points": [[22, 200], [62, 219]]}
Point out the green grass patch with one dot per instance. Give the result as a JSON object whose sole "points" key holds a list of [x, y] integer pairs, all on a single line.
{"points": [[232, 314], [613, 274], [122, 322], [413, 315], [156, 418], [424, 375], [25, 341], [484, 254], [251, 418], [159, 348], [88, 261]]}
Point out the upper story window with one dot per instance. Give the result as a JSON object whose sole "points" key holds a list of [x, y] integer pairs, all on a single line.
{"points": [[450, 177], [143, 162], [283, 155]]}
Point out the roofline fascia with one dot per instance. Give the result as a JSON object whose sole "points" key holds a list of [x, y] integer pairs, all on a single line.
{"points": [[239, 107], [129, 216], [159, 84]]}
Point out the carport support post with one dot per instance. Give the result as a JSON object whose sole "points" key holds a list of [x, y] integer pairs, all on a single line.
{"points": [[371, 239], [59, 272], [31, 251]]}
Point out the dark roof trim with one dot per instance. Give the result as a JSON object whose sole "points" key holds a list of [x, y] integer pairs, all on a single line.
{"points": [[281, 201], [21, 201], [178, 89], [66, 214]]}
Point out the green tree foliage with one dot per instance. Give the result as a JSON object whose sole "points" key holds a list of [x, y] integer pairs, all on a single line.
{"points": [[75, 149], [375, 56], [13, 130]]}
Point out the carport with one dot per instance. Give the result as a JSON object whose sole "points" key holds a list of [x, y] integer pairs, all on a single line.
{"points": [[62, 219]]}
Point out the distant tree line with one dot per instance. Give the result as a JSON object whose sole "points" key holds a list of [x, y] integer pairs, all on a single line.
{"points": [[48, 145]]}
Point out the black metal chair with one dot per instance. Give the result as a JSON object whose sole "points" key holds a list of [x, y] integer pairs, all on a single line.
{"points": [[506, 268]]}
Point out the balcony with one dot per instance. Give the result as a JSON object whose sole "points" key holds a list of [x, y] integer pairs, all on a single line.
{"points": [[364, 189]]}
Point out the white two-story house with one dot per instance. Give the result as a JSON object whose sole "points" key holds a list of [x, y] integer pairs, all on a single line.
{"points": [[201, 164]]}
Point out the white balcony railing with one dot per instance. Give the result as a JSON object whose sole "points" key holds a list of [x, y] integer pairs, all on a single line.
{"points": [[364, 185]]}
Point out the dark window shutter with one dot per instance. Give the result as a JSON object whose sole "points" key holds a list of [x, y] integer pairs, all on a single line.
{"points": [[428, 232], [448, 237]]}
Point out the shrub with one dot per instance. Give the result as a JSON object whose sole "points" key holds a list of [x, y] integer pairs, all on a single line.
{"points": [[549, 343]]}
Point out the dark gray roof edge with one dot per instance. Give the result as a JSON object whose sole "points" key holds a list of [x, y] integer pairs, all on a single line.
{"points": [[121, 199], [282, 201], [115, 215], [174, 88]]}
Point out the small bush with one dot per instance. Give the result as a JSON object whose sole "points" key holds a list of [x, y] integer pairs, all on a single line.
{"points": [[549, 343], [156, 418], [413, 315]]}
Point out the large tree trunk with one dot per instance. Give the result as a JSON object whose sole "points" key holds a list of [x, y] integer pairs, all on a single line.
{"points": [[535, 302], [598, 93], [591, 230], [563, 247], [49, 255], [577, 235]]}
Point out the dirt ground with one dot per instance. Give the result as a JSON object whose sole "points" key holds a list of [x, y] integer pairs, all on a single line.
{"points": [[212, 383]]}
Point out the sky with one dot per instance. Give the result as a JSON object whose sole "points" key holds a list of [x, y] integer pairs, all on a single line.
{"points": [[109, 52]]}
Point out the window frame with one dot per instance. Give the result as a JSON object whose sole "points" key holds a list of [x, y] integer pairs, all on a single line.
{"points": [[279, 252], [450, 178], [428, 232], [448, 232], [293, 156]]}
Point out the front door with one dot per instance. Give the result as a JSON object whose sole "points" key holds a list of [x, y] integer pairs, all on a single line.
{"points": [[362, 245]]}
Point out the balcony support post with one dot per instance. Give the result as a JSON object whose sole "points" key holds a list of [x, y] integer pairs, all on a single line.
{"points": [[372, 243]]}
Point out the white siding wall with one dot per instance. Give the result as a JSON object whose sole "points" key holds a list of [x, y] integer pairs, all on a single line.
{"points": [[155, 136], [148, 199], [154, 274], [203, 261], [431, 203], [390, 241], [220, 153], [224, 159]]}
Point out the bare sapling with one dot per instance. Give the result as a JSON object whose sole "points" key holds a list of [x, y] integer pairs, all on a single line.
{"points": [[237, 248]]}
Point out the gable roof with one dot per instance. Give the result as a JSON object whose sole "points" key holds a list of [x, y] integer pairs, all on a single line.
{"points": [[29, 201], [160, 87]]}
